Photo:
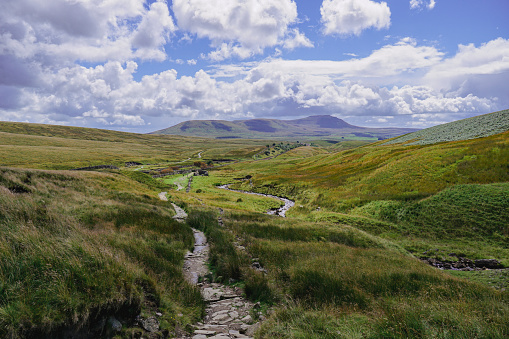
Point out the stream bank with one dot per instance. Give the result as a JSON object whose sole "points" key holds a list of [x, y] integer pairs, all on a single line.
{"points": [[281, 211]]}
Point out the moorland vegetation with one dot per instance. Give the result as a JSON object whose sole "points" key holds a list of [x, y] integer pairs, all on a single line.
{"points": [[80, 247]]}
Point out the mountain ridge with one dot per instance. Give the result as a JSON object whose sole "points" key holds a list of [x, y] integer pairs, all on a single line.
{"points": [[313, 127]]}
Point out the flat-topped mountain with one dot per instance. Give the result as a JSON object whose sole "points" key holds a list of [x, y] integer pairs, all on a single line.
{"points": [[313, 127]]}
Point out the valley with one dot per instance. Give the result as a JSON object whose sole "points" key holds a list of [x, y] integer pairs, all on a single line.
{"points": [[356, 252]]}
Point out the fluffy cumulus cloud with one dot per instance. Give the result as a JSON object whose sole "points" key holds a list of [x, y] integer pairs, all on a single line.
{"points": [[56, 32], [109, 95], [391, 60], [480, 69], [241, 28], [43, 77], [41, 42], [346, 17], [420, 4]]}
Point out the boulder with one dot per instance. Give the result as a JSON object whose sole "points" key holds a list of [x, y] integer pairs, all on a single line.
{"points": [[488, 263], [150, 324]]}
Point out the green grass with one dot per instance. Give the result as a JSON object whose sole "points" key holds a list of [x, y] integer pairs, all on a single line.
{"points": [[204, 188], [81, 246], [470, 211], [451, 197], [332, 281], [77, 246], [62, 147], [475, 127]]}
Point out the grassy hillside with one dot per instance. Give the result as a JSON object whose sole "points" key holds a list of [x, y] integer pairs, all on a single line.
{"points": [[330, 281], [442, 197], [62, 147], [347, 179], [79, 247], [476, 127]]}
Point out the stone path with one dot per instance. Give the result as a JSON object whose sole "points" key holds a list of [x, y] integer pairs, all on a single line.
{"points": [[181, 181], [181, 214], [228, 313]]}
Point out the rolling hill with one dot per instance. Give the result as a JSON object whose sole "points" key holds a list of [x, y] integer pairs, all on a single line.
{"points": [[476, 127], [313, 127]]}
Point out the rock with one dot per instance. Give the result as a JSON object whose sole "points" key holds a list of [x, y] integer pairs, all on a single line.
{"points": [[199, 336], [252, 329], [244, 328], [150, 324], [211, 294], [205, 332], [256, 265], [114, 324], [488, 263], [221, 317], [247, 319]]}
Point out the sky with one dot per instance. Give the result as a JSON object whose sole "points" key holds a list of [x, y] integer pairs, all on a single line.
{"points": [[140, 66]]}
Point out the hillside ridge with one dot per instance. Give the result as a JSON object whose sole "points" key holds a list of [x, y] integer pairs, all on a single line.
{"points": [[316, 126], [472, 128]]}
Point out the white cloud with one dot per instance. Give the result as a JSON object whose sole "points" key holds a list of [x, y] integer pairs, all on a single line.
{"points": [[420, 4], [297, 39], [109, 96], [345, 17], [400, 79], [390, 60], [153, 32], [240, 28], [62, 32], [482, 70]]}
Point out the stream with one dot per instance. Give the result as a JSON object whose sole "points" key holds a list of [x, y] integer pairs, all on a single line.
{"points": [[281, 211]]}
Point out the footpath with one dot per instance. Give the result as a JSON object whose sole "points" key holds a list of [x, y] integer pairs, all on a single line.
{"points": [[228, 313]]}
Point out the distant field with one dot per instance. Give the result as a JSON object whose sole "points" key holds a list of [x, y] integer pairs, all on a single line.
{"points": [[62, 147]]}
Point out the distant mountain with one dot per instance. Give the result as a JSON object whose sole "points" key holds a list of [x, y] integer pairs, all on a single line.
{"points": [[313, 127]]}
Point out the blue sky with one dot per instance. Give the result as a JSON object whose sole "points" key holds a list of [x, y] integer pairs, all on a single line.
{"points": [[139, 66]]}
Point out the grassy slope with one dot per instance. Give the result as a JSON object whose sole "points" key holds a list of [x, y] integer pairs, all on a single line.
{"points": [[333, 281], [475, 127], [62, 147], [83, 246], [354, 177], [399, 192]]}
